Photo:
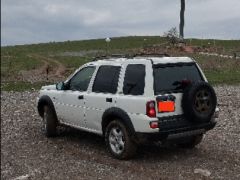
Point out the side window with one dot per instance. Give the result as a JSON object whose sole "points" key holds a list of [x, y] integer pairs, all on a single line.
{"points": [[106, 79], [134, 80], [80, 81]]}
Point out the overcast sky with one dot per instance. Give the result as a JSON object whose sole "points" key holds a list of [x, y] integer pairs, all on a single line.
{"points": [[34, 21]]}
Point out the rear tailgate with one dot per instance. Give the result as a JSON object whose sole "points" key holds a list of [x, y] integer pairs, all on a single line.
{"points": [[169, 83]]}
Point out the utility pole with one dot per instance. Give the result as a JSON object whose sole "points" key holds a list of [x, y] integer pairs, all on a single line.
{"points": [[181, 25]]}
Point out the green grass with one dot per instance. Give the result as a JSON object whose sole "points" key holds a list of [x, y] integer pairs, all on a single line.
{"points": [[219, 70], [28, 57], [20, 86], [223, 77], [227, 45], [85, 45], [72, 61], [17, 58], [12, 62]]}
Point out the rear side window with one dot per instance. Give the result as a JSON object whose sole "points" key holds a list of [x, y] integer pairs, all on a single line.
{"points": [[171, 78], [107, 79], [134, 81]]}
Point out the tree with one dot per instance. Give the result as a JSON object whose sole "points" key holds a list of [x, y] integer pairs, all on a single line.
{"points": [[181, 26], [172, 35]]}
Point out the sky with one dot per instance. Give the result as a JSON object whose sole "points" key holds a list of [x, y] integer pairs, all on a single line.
{"points": [[37, 21]]}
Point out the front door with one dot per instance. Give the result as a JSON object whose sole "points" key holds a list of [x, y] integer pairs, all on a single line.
{"points": [[71, 101]]}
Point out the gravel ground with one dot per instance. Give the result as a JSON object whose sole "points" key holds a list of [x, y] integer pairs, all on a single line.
{"points": [[27, 154]]}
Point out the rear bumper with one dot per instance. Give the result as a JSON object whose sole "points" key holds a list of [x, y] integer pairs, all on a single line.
{"points": [[177, 127], [178, 124]]}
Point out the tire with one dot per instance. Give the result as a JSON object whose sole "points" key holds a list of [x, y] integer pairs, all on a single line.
{"points": [[191, 142], [118, 141], [49, 122], [199, 102]]}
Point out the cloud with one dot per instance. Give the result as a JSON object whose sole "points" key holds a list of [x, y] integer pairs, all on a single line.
{"points": [[58, 20]]}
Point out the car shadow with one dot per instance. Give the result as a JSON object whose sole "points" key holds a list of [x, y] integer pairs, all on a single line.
{"points": [[151, 151], [79, 136]]}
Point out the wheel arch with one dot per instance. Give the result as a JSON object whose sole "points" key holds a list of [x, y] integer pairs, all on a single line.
{"points": [[45, 100], [117, 113]]}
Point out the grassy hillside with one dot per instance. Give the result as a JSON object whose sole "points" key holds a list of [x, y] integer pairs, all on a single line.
{"points": [[19, 62]]}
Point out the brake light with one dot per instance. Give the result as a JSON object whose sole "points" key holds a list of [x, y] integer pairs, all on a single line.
{"points": [[150, 109]]}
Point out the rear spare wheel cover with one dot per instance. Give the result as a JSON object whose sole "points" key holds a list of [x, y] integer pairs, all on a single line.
{"points": [[199, 102]]}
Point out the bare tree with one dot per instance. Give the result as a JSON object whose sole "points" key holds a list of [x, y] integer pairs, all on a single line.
{"points": [[181, 26], [172, 35]]}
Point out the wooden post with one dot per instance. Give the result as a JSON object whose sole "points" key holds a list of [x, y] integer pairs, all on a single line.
{"points": [[47, 71]]}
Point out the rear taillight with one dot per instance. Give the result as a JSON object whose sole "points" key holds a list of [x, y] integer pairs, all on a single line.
{"points": [[150, 109], [154, 124]]}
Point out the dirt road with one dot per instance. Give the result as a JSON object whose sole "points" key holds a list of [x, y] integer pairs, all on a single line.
{"points": [[56, 70], [27, 154]]}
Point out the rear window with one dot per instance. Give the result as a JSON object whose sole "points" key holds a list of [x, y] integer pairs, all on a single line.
{"points": [[171, 78]]}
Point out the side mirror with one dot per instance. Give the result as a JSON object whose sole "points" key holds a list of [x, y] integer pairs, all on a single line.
{"points": [[60, 86]]}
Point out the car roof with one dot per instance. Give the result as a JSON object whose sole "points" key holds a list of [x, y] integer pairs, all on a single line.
{"points": [[154, 60]]}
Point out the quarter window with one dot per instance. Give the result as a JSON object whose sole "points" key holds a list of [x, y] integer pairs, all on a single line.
{"points": [[107, 79], [134, 81]]}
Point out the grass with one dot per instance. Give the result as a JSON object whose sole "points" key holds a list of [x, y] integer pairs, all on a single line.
{"points": [[72, 61], [15, 59], [223, 77], [228, 46], [14, 62], [20, 86], [85, 45], [219, 70]]}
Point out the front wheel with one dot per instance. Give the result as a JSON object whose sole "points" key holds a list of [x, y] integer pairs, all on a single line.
{"points": [[118, 140], [49, 122]]}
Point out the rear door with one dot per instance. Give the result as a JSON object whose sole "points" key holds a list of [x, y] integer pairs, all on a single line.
{"points": [[102, 96], [135, 92]]}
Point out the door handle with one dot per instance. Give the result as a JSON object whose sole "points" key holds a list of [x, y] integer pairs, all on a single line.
{"points": [[108, 99], [80, 97]]}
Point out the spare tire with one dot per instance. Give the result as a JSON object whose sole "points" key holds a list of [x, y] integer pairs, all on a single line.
{"points": [[199, 102]]}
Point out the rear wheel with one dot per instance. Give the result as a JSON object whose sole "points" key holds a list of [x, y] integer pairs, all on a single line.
{"points": [[191, 142], [49, 122], [118, 140]]}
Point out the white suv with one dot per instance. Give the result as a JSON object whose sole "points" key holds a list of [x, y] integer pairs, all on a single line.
{"points": [[133, 100]]}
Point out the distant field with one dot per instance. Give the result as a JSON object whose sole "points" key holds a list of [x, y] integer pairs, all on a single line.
{"points": [[19, 61], [219, 70]]}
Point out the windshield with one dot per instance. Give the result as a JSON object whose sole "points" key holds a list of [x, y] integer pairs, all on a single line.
{"points": [[174, 77]]}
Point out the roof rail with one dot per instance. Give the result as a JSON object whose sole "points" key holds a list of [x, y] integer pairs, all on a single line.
{"points": [[99, 57], [111, 56], [130, 55], [152, 54]]}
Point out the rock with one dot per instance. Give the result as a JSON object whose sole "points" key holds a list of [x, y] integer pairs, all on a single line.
{"points": [[23, 177], [203, 172]]}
